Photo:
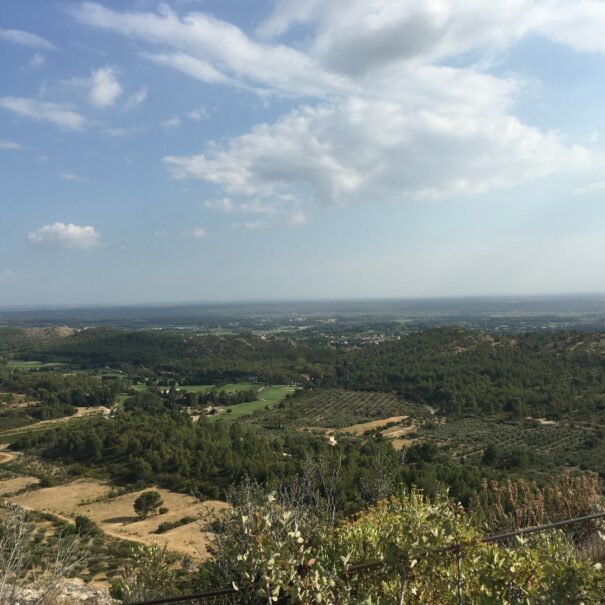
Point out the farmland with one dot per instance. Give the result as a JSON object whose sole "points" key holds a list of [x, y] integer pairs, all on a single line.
{"points": [[204, 415], [334, 409]]}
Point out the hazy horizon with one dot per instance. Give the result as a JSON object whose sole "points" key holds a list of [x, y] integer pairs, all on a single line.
{"points": [[200, 150]]}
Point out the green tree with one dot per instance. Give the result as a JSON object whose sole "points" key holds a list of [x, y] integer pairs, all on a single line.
{"points": [[147, 502]]}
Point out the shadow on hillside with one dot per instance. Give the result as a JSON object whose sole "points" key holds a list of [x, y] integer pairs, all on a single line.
{"points": [[123, 520]]}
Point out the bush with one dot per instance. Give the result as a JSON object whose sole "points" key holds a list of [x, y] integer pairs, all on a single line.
{"points": [[147, 503], [86, 526], [277, 554], [168, 525]]}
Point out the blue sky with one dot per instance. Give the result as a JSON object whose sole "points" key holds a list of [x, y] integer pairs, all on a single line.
{"points": [[199, 150]]}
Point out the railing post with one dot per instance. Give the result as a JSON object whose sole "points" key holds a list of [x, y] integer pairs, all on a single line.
{"points": [[459, 574], [403, 578]]}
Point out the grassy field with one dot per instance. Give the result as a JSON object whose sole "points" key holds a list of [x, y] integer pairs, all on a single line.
{"points": [[116, 516], [229, 388], [267, 397], [205, 388], [32, 365]]}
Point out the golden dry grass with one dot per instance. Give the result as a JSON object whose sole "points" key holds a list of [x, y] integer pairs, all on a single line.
{"points": [[10, 486], [401, 443], [360, 429], [117, 518]]}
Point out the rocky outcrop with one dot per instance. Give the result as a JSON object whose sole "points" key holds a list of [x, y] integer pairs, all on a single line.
{"points": [[71, 592]]}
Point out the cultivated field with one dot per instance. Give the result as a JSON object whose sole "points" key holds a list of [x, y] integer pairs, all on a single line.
{"points": [[338, 409]]}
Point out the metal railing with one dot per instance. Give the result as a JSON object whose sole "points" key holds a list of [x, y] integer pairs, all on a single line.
{"points": [[588, 537]]}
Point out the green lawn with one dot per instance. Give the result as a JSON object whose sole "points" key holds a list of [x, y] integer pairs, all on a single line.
{"points": [[230, 388], [267, 397], [32, 365]]}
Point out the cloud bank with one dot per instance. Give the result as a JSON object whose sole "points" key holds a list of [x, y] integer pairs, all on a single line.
{"points": [[379, 111]]}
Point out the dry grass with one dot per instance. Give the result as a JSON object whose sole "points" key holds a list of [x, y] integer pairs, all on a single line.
{"points": [[10, 486], [116, 516], [399, 444], [360, 429]]}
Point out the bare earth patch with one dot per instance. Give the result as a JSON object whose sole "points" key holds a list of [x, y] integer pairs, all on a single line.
{"points": [[116, 516], [542, 421], [398, 431], [6, 457], [360, 429]]}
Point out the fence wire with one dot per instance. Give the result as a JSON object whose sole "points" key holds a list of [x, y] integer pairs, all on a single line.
{"points": [[447, 567]]}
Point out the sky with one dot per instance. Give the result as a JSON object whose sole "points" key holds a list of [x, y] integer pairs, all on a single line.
{"points": [[225, 150]]}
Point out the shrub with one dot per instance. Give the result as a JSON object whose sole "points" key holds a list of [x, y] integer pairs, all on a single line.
{"points": [[429, 549], [147, 503]]}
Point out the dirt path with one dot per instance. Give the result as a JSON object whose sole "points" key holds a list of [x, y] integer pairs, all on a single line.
{"points": [[80, 413]]}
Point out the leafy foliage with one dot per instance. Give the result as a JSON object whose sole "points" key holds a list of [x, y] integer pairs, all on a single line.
{"points": [[428, 549], [147, 502]]}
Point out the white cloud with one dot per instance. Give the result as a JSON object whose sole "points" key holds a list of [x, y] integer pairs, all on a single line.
{"points": [[216, 51], [65, 236], [199, 113], [37, 60], [353, 36], [254, 206], [375, 150], [225, 204], [258, 207], [136, 99], [197, 233], [173, 122], [68, 176], [6, 274], [60, 115], [191, 66], [104, 87], [390, 117], [23, 38], [298, 218], [599, 186], [9, 145], [122, 131]]}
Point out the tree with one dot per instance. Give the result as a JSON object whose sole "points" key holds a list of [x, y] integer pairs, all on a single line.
{"points": [[146, 503], [32, 570]]}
